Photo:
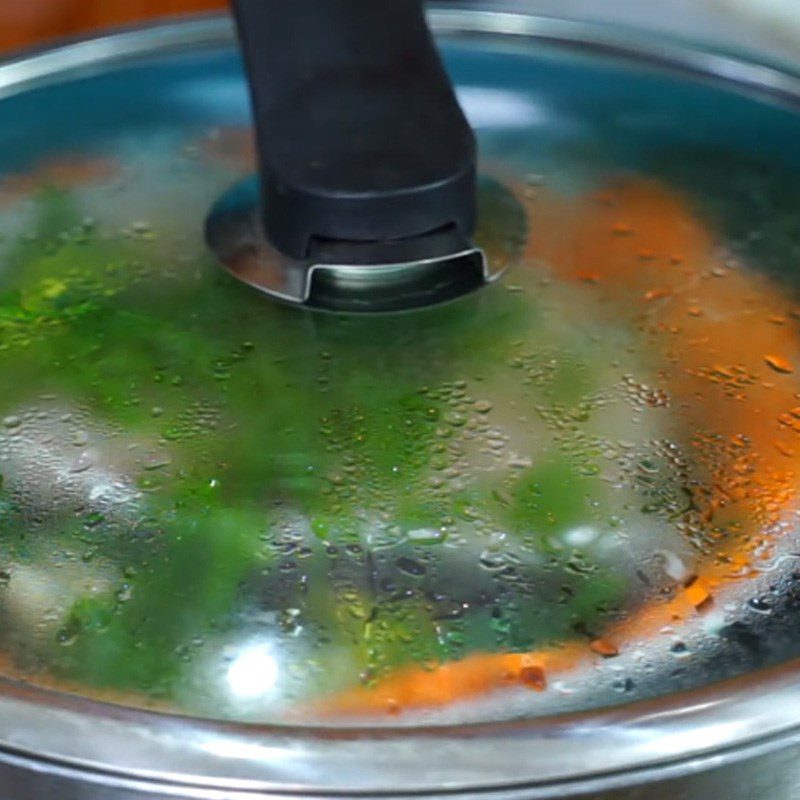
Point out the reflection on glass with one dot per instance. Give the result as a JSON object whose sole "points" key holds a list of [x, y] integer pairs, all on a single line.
{"points": [[571, 489]]}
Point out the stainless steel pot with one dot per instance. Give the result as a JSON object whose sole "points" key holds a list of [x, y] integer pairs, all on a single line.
{"points": [[738, 736]]}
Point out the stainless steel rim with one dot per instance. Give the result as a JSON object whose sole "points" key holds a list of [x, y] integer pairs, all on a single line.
{"points": [[62, 740]]}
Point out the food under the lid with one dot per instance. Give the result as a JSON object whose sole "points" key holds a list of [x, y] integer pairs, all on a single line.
{"points": [[217, 505]]}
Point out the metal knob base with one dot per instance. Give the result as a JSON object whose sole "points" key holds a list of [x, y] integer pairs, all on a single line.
{"points": [[386, 276]]}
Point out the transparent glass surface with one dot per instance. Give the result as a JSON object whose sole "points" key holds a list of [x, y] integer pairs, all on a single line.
{"points": [[574, 488]]}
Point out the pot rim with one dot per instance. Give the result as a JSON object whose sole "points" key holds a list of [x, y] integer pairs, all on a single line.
{"points": [[57, 736]]}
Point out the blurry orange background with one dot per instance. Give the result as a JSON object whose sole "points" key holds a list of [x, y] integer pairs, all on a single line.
{"points": [[28, 22]]}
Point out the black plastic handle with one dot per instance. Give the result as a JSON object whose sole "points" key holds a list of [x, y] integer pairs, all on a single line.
{"points": [[360, 136]]}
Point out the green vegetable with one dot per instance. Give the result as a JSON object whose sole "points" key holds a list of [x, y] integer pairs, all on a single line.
{"points": [[318, 485]]}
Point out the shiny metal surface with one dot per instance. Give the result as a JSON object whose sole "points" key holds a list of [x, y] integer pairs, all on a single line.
{"points": [[739, 737], [604, 751], [434, 270]]}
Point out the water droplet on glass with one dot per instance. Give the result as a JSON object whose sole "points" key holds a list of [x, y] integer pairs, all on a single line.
{"points": [[779, 364], [410, 567], [83, 462]]}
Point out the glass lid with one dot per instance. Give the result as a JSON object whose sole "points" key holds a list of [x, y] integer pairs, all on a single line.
{"points": [[574, 488]]}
